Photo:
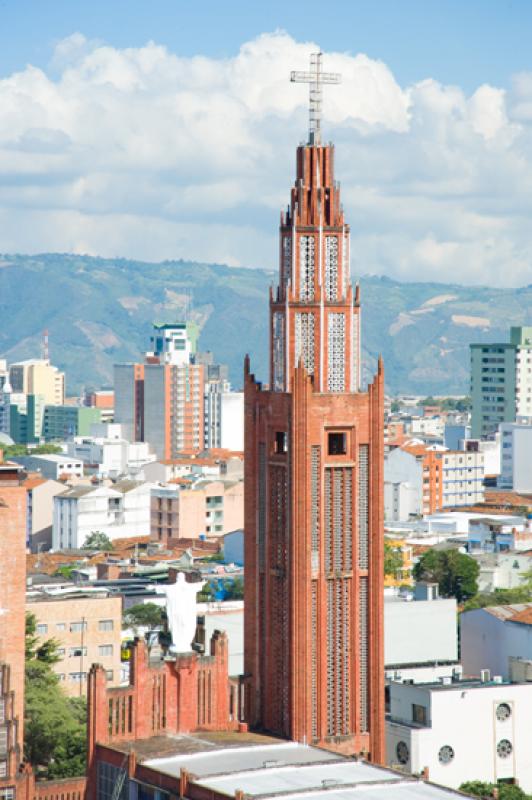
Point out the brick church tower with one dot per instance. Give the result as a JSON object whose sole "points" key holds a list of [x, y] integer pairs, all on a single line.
{"points": [[314, 661]]}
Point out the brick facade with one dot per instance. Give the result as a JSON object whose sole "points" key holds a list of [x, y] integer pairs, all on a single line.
{"points": [[314, 447], [12, 618], [182, 694]]}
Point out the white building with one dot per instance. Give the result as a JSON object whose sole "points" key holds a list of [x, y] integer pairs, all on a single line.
{"points": [[427, 426], [489, 637], [502, 570], [173, 343], [461, 731], [420, 636], [107, 453], [516, 447], [232, 421], [499, 534], [463, 478], [52, 465], [118, 511]]}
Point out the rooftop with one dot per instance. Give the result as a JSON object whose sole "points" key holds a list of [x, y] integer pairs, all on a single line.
{"points": [[261, 766], [517, 612]]}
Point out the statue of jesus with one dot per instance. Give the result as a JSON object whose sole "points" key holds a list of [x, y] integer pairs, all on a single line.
{"points": [[181, 611]]}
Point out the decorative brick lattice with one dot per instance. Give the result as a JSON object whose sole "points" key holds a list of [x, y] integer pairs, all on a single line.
{"points": [[306, 268], [363, 517], [315, 507], [287, 260], [305, 341], [363, 654], [336, 353], [278, 351], [331, 268], [314, 657]]}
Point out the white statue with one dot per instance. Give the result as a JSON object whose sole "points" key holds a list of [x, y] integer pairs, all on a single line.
{"points": [[181, 611]]}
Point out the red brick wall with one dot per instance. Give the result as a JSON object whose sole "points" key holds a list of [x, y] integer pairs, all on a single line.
{"points": [[13, 588]]}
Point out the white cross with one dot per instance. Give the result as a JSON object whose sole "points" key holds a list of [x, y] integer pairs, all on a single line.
{"points": [[315, 78]]}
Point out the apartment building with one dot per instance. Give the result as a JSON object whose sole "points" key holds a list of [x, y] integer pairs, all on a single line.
{"points": [[501, 382], [118, 511], [87, 627], [209, 508], [38, 377]]}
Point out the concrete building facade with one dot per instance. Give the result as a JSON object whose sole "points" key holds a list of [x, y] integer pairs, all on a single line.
{"points": [[489, 637], [88, 630], [38, 377], [501, 382], [119, 511], [207, 508], [461, 731]]}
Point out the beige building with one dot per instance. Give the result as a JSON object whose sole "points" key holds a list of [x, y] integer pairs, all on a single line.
{"points": [[40, 494], [88, 628], [38, 376], [190, 509]]}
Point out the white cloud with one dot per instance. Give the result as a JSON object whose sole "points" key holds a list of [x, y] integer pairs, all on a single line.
{"points": [[143, 153]]}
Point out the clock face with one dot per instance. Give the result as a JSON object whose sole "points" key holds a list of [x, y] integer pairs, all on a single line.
{"points": [[402, 752]]}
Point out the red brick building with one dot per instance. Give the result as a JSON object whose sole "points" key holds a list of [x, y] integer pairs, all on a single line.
{"points": [[314, 492], [12, 617]]}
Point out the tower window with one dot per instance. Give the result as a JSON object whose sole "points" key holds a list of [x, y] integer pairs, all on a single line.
{"points": [[281, 442], [337, 444]]}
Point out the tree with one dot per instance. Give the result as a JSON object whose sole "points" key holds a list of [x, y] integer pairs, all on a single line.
{"points": [[393, 559], [505, 791], [144, 615], [235, 588], [54, 725], [499, 597], [455, 573], [47, 652], [96, 540], [12, 450]]}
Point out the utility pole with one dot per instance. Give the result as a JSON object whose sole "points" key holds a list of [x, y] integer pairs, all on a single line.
{"points": [[83, 623]]}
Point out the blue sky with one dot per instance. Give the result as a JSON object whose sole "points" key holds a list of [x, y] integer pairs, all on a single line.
{"points": [[157, 129], [466, 42]]}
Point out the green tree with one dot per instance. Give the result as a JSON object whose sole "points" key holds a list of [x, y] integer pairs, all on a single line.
{"points": [[54, 725], [506, 791], [144, 615], [47, 651], [96, 540], [477, 788], [235, 588], [12, 450], [499, 597], [455, 573], [393, 559]]}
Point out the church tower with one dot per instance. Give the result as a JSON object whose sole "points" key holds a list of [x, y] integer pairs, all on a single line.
{"points": [[314, 662]]}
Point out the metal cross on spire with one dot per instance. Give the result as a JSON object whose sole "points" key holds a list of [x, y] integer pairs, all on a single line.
{"points": [[315, 78]]}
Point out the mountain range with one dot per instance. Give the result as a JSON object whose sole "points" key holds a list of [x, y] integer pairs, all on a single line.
{"points": [[99, 312]]}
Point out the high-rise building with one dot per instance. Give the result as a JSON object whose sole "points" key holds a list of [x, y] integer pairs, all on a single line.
{"points": [[501, 382], [38, 377], [314, 446], [178, 399], [173, 408]]}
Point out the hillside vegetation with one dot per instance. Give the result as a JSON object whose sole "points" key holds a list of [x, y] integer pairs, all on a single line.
{"points": [[99, 312]]}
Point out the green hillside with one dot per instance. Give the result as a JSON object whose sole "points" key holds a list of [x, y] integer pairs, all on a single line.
{"points": [[99, 312]]}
